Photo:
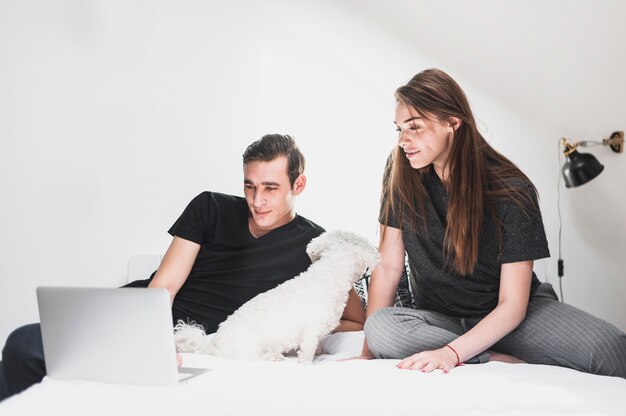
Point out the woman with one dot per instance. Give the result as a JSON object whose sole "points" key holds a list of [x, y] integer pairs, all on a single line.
{"points": [[469, 221]]}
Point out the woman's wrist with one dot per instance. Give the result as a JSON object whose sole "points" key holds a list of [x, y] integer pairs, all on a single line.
{"points": [[454, 354]]}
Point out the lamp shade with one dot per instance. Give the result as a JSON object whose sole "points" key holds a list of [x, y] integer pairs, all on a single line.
{"points": [[580, 168]]}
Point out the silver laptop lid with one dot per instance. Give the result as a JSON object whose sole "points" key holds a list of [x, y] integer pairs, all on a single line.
{"points": [[120, 335]]}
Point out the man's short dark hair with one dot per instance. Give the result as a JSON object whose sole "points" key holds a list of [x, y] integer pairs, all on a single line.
{"points": [[271, 146]]}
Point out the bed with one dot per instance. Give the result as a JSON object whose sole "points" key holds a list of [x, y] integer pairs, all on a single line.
{"points": [[333, 386]]}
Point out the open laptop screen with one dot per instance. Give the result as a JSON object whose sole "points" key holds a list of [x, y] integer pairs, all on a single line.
{"points": [[111, 335]]}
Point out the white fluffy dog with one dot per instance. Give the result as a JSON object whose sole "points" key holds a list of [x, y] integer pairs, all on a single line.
{"points": [[296, 314]]}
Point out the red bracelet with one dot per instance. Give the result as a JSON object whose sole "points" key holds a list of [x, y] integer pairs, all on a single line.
{"points": [[458, 360]]}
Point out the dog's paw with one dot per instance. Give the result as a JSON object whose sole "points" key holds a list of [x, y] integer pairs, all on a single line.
{"points": [[272, 356], [190, 338], [306, 356]]}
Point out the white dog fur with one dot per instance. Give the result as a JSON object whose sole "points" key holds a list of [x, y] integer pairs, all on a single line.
{"points": [[296, 314]]}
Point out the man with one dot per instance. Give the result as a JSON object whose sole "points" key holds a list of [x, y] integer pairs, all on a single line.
{"points": [[225, 250]]}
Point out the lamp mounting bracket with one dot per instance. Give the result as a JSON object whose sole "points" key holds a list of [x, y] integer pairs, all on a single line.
{"points": [[616, 141]]}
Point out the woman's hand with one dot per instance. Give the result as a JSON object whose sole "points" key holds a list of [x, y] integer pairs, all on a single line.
{"points": [[427, 361], [515, 282]]}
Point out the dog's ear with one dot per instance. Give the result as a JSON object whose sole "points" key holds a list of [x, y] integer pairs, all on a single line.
{"points": [[313, 255], [316, 246], [367, 254]]}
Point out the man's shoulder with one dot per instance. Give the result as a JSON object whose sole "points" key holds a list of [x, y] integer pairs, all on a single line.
{"points": [[219, 198], [307, 224]]}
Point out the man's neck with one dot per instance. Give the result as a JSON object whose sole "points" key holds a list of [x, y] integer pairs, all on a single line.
{"points": [[257, 231]]}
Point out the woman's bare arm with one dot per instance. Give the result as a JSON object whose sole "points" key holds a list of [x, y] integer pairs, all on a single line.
{"points": [[386, 276], [515, 280]]}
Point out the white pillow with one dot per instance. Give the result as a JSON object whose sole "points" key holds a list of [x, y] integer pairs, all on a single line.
{"points": [[345, 344]]}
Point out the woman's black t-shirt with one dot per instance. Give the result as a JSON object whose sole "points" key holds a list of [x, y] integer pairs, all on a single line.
{"points": [[435, 288]]}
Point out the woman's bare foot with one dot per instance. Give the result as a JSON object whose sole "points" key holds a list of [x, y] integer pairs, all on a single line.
{"points": [[505, 358]]}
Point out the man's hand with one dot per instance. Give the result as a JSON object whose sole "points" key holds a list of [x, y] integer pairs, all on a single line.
{"points": [[179, 360], [360, 357], [365, 354]]}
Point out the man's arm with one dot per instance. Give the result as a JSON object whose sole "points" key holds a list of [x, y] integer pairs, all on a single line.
{"points": [[353, 317], [176, 266], [383, 284]]}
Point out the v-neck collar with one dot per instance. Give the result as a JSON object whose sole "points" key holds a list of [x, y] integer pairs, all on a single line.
{"points": [[274, 231]]}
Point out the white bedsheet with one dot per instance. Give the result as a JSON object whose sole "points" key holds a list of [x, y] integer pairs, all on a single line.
{"points": [[332, 387]]}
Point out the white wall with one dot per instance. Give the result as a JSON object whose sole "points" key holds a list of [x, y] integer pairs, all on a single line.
{"points": [[114, 114]]}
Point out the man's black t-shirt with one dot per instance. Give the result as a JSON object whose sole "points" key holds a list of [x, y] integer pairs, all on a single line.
{"points": [[233, 266], [522, 236]]}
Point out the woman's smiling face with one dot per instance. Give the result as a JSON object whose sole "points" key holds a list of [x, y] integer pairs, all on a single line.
{"points": [[424, 141]]}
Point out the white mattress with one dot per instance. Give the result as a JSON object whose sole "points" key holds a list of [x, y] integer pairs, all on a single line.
{"points": [[334, 387]]}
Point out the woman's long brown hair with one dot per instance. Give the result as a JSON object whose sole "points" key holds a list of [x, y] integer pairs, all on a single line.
{"points": [[478, 175]]}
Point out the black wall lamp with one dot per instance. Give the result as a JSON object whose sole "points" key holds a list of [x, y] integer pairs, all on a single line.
{"points": [[580, 168]]}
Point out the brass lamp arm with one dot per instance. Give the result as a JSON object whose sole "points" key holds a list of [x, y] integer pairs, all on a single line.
{"points": [[615, 142]]}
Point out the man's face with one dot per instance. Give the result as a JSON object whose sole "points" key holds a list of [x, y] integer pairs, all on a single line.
{"points": [[269, 194]]}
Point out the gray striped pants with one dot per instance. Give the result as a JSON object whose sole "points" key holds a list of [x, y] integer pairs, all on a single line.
{"points": [[552, 333]]}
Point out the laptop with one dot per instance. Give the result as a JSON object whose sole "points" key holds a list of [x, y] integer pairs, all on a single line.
{"points": [[121, 335]]}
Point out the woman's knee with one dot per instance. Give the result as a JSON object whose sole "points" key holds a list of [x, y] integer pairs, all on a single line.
{"points": [[379, 323], [607, 354], [582, 341], [380, 332]]}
